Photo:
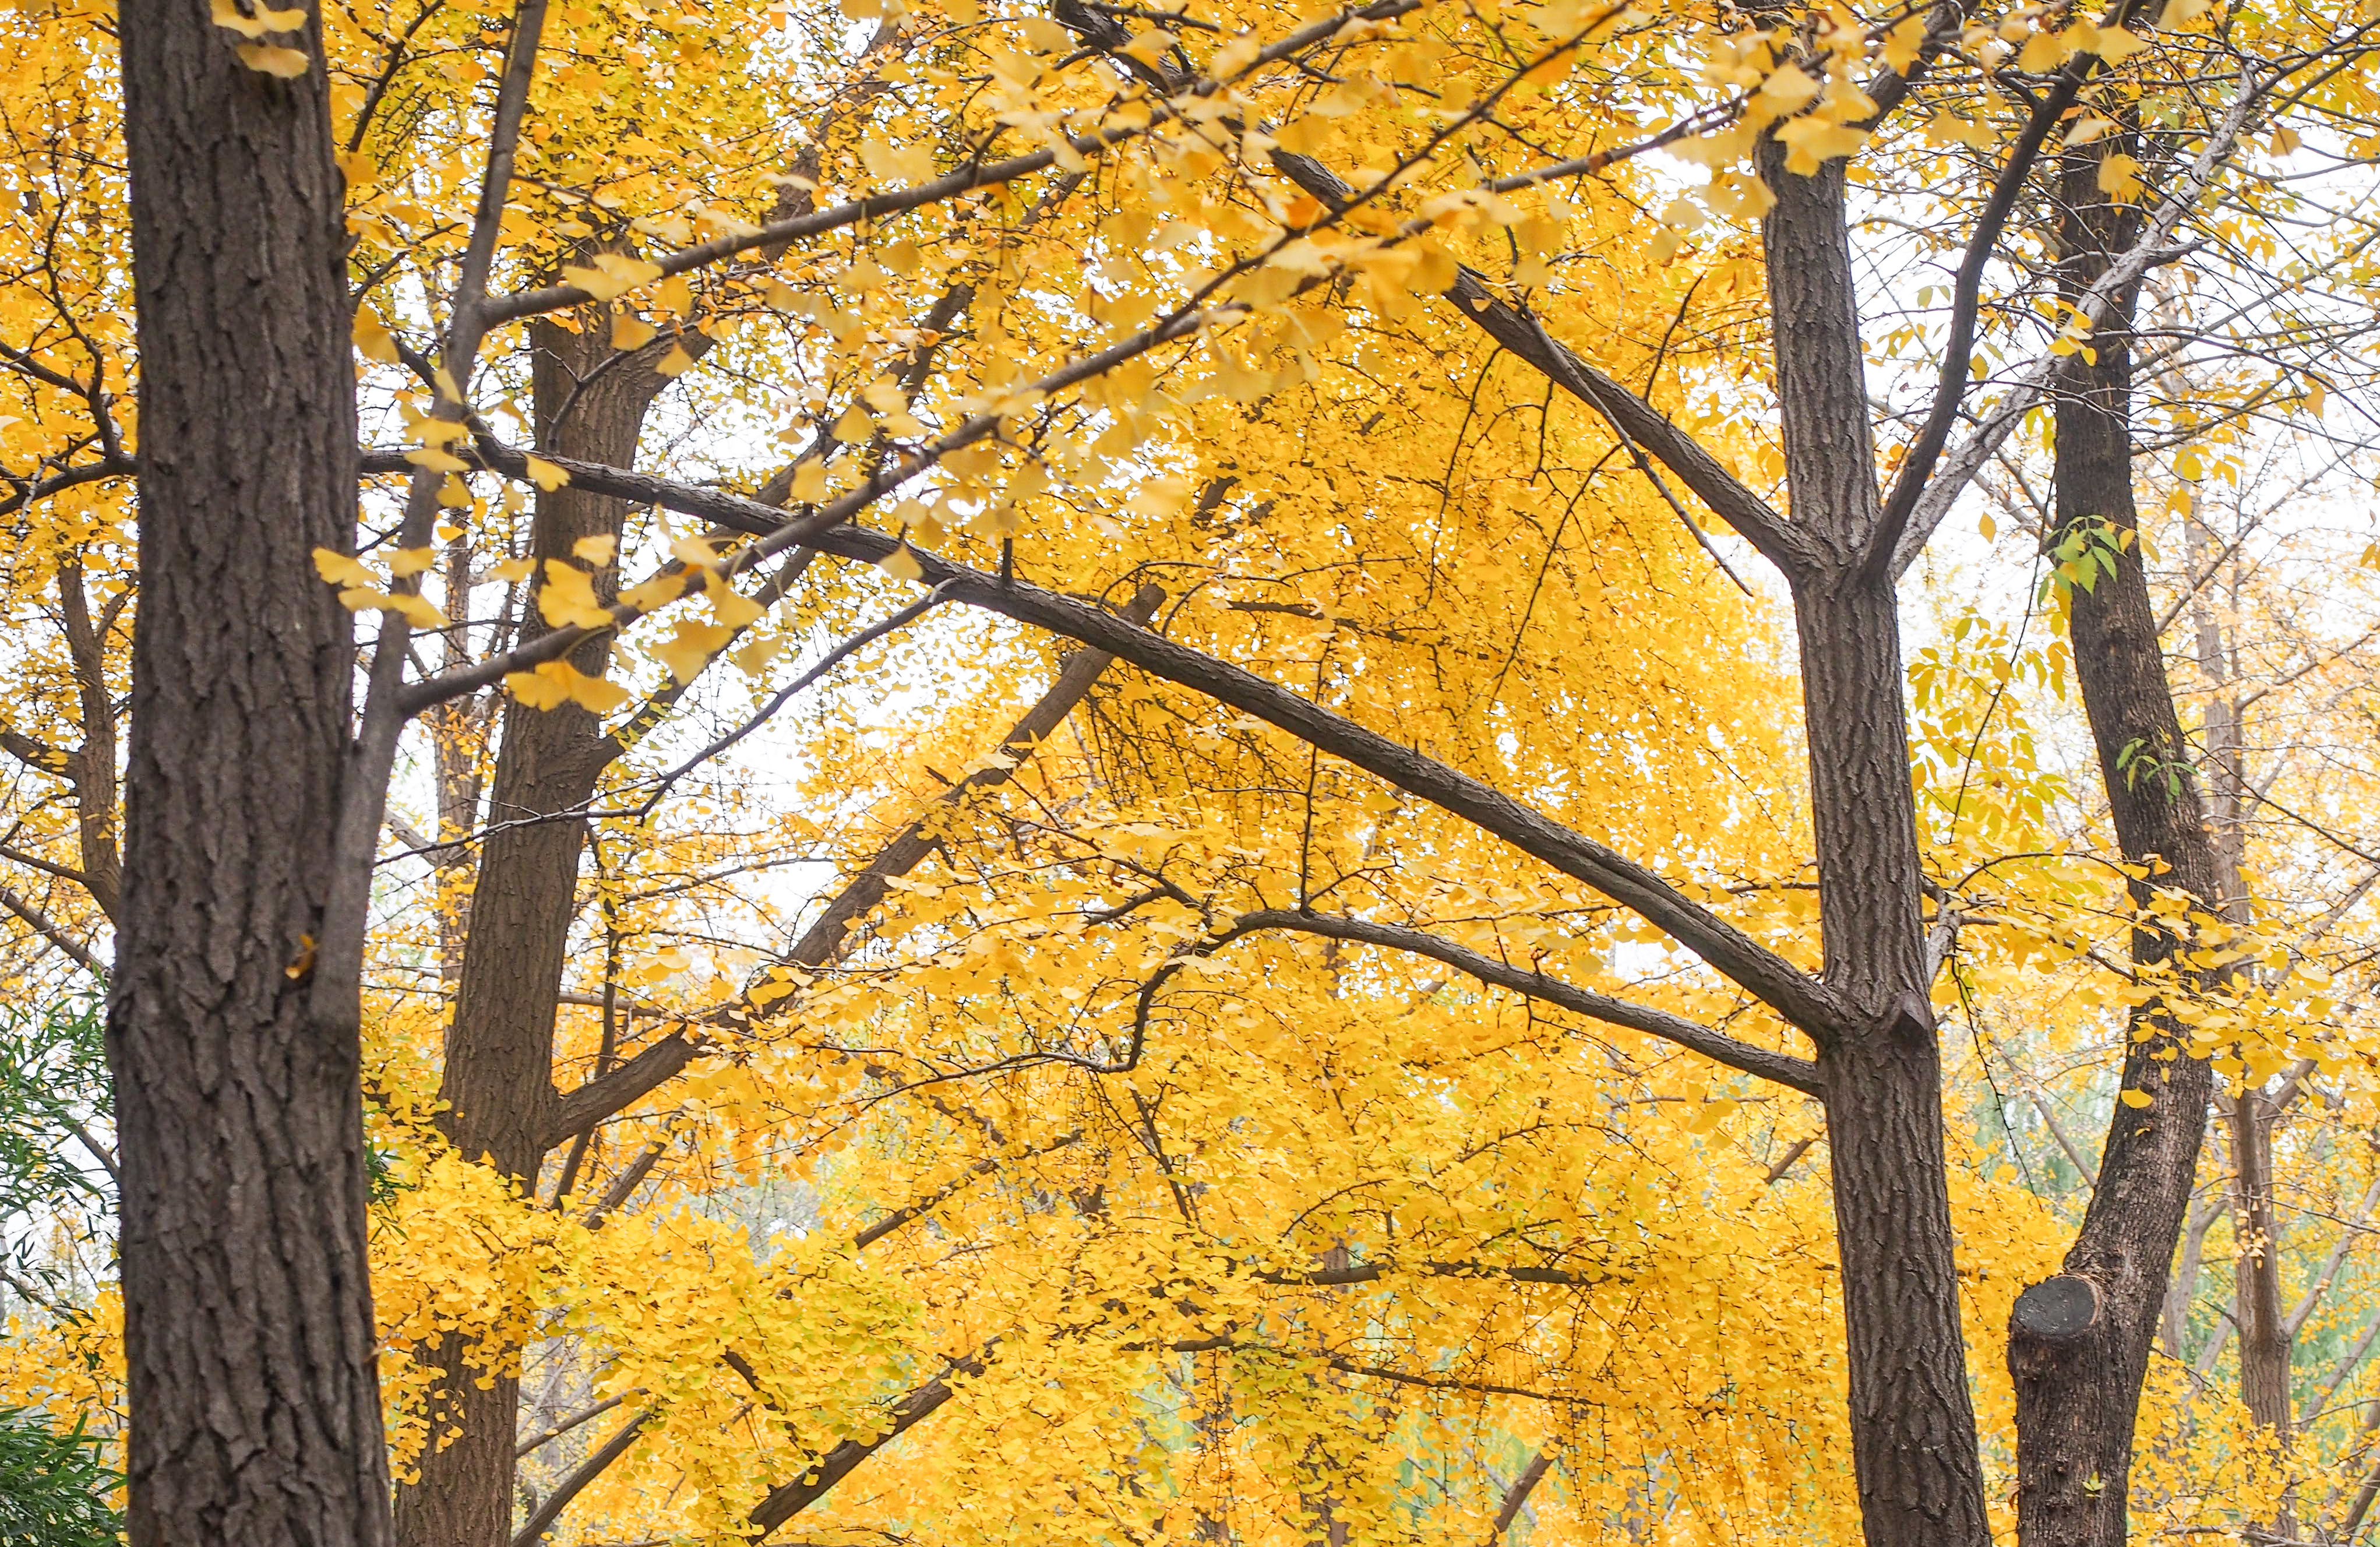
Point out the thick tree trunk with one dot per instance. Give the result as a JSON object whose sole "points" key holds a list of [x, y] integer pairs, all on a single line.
{"points": [[498, 1073], [249, 1336], [1912, 1418], [2079, 1343]]}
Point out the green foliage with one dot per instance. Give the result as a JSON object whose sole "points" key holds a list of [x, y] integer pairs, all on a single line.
{"points": [[54, 1098], [54, 1486], [2087, 549]]}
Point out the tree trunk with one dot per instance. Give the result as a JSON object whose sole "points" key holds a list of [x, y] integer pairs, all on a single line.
{"points": [[2264, 1336], [2079, 1343], [248, 1335], [1912, 1418], [499, 1074]]}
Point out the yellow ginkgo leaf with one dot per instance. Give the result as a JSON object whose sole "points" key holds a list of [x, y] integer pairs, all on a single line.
{"points": [[631, 332], [546, 475], [226, 14], [677, 362], [342, 570], [810, 481], [602, 287], [373, 340], [2119, 176], [272, 59], [540, 688], [556, 683], [412, 561], [568, 597], [695, 553], [1813, 142], [514, 571], [597, 550], [2044, 50], [2116, 46], [1788, 87], [599, 694], [2136, 1098], [659, 592], [417, 610], [887, 163], [731, 606], [901, 564], [855, 427], [436, 460], [2086, 128], [754, 658], [687, 651]]}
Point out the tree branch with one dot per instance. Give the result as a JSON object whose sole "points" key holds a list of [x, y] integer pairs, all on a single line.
{"points": [[1516, 1497], [337, 983], [1784, 987], [2031, 386], [976, 175], [1796, 1074], [790, 1499], [54, 932], [1752, 518], [573, 1485], [966, 1179], [823, 941], [1966, 302]]}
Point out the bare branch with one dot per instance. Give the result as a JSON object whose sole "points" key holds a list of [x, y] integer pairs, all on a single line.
{"points": [[967, 1178], [1966, 302], [823, 941], [539, 1442]]}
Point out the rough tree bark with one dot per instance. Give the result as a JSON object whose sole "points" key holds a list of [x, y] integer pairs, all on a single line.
{"points": [[2079, 1341], [498, 1079], [1912, 1421], [255, 1403]]}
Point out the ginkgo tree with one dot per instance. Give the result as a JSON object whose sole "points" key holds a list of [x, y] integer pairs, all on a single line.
{"points": [[1410, 781]]}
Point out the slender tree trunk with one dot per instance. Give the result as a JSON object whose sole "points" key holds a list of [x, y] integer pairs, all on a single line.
{"points": [[498, 1081], [2265, 1338], [2263, 1334], [2079, 1343], [1912, 1418], [249, 1336]]}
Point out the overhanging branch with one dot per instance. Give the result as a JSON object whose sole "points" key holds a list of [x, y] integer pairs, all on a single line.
{"points": [[1776, 982], [1798, 1074]]}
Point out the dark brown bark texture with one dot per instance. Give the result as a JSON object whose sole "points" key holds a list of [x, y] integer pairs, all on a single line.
{"points": [[1913, 1421], [255, 1403], [498, 1081], [2078, 1385]]}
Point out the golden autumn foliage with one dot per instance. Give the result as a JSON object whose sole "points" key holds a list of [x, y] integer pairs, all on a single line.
{"points": [[1204, 1140]]}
